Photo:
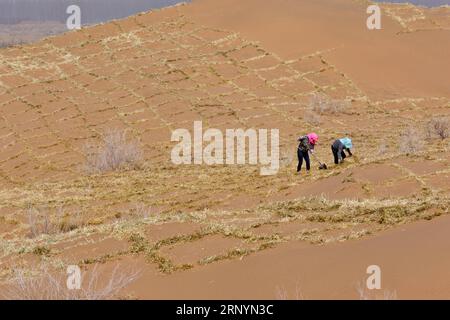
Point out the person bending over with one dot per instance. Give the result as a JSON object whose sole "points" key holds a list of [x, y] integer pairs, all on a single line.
{"points": [[339, 147]]}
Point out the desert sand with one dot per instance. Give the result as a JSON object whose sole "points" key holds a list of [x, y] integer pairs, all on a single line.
{"points": [[202, 231]]}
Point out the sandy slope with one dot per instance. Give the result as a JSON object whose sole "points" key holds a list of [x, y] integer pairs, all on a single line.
{"points": [[412, 260], [385, 63], [231, 64]]}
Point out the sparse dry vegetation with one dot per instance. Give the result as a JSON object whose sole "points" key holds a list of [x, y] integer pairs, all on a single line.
{"points": [[383, 294], [43, 222], [439, 127], [311, 117], [47, 285], [322, 104], [115, 152], [281, 293], [382, 149], [411, 141], [153, 75], [142, 211], [286, 157], [39, 224]]}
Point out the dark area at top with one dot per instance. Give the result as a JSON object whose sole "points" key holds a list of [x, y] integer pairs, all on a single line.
{"points": [[427, 3], [92, 11]]}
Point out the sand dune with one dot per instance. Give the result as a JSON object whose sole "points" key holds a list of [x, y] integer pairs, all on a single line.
{"points": [[231, 64], [412, 257], [384, 64]]}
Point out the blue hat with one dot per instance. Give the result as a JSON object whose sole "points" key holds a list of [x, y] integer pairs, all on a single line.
{"points": [[347, 142]]}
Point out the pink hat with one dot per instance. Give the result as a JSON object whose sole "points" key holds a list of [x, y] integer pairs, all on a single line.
{"points": [[313, 138]]}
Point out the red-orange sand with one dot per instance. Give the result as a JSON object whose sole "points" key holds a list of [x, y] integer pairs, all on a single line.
{"points": [[225, 231]]}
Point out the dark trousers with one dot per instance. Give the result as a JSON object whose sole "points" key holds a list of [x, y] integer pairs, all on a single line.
{"points": [[303, 155], [336, 156]]}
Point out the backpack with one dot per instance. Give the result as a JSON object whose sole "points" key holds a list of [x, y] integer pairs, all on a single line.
{"points": [[304, 144]]}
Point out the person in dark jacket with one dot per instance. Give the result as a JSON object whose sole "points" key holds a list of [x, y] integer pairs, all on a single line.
{"points": [[339, 147], [306, 145]]}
